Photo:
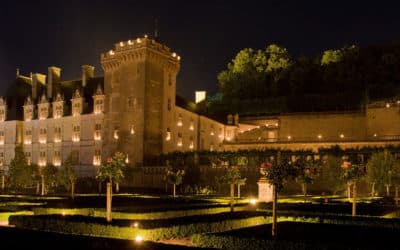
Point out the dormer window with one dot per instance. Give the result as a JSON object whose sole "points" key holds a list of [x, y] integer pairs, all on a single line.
{"points": [[98, 101], [28, 109], [3, 109], [77, 101], [58, 107], [43, 108]]}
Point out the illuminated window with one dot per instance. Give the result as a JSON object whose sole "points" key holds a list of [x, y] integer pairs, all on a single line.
{"points": [[42, 135], [28, 114], [57, 134], [132, 130], [57, 158], [191, 143], [168, 135], [97, 157], [179, 143], [1, 137], [116, 134], [58, 111], [43, 112], [191, 125], [98, 106], [97, 131], [42, 159], [28, 157], [220, 134], [76, 133], [179, 123], [1, 158]]}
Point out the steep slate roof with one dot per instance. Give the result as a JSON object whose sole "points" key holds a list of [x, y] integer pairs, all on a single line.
{"points": [[22, 88]]}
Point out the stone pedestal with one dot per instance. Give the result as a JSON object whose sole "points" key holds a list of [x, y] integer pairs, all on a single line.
{"points": [[264, 190]]}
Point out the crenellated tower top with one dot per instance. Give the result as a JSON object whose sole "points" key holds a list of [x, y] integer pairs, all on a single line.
{"points": [[137, 50]]}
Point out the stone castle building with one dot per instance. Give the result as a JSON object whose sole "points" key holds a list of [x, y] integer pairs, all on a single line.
{"points": [[134, 109]]}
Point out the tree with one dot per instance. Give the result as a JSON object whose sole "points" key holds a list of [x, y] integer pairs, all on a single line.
{"points": [[331, 172], [352, 173], [380, 171], [175, 178], [277, 58], [232, 177], [21, 175], [68, 173], [49, 174], [277, 172], [112, 172], [304, 175]]}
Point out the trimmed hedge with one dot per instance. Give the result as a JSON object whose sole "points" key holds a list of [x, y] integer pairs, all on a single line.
{"points": [[96, 212], [301, 236], [67, 224]]}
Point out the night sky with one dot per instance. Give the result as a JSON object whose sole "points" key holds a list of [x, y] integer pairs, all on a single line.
{"points": [[207, 34]]}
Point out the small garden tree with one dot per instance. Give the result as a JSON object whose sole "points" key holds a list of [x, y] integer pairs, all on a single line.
{"points": [[49, 178], [111, 171], [380, 171], [331, 173], [68, 174], [175, 178], [352, 173], [232, 177], [21, 175], [277, 172], [304, 176]]}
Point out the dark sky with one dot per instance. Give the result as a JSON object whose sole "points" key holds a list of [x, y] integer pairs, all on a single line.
{"points": [[207, 34]]}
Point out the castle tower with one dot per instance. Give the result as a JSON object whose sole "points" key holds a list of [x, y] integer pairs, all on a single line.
{"points": [[139, 84]]}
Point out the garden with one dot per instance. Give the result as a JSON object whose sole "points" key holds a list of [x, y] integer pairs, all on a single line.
{"points": [[324, 202]]}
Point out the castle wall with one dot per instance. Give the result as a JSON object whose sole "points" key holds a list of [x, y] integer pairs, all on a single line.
{"points": [[384, 122]]}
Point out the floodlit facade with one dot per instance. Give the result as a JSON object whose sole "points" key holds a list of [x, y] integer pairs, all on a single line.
{"points": [[134, 109], [131, 109]]}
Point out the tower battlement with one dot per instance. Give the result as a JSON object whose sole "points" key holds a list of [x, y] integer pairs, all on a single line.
{"points": [[136, 49]]}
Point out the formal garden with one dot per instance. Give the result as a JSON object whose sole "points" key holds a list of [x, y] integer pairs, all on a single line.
{"points": [[335, 200]]}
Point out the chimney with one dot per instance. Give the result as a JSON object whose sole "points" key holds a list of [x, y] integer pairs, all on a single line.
{"points": [[230, 119], [53, 78], [87, 73], [236, 119], [36, 80]]}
